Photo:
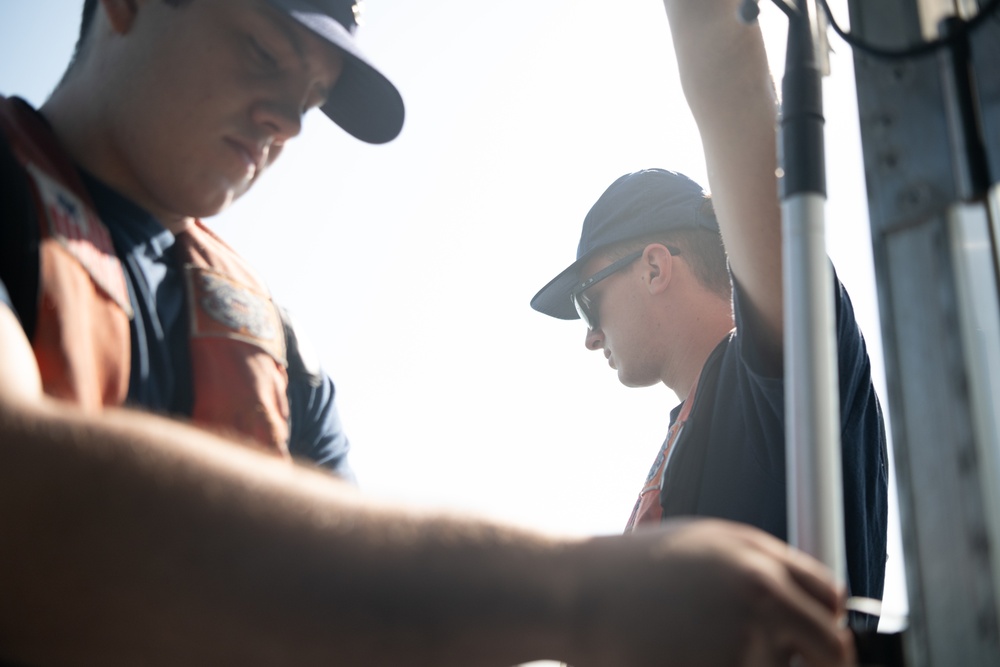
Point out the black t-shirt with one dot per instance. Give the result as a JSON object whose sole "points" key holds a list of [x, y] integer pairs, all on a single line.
{"points": [[729, 461]]}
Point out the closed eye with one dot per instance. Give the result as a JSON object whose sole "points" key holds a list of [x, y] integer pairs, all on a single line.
{"points": [[262, 55]]}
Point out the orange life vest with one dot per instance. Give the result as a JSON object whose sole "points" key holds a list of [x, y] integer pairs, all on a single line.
{"points": [[82, 341], [238, 353]]}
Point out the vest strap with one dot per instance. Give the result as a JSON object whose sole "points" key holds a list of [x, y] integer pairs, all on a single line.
{"points": [[82, 341], [238, 351]]}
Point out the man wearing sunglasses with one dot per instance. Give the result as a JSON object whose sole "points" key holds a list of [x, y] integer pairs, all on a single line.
{"points": [[651, 282]]}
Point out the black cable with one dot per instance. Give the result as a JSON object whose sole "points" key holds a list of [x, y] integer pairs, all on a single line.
{"points": [[787, 6], [749, 10], [908, 52]]}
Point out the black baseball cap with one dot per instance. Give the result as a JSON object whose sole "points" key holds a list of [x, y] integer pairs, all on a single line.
{"points": [[363, 102], [637, 204]]}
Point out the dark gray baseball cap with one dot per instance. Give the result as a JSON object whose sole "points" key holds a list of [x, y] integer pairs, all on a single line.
{"points": [[363, 102], [636, 205]]}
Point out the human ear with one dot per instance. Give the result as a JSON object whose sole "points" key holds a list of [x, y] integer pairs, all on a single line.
{"points": [[121, 14], [658, 267]]}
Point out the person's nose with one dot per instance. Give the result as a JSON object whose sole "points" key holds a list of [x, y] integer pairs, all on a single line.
{"points": [[282, 118], [594, 340]]}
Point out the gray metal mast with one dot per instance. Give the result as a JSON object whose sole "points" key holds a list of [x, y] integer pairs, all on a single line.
{"points": [[812, 407], [930, 128]]}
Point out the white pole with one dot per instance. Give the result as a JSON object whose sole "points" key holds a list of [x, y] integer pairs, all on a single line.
{"points": [[812, 410], [812, 403]]}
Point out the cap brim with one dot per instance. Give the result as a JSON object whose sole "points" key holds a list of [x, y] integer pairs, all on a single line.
{"points": [[366, 104], [363, 102], [555, 298]]}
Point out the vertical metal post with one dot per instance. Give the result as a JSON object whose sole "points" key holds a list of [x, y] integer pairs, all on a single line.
{"points": [[935, 261], [812, 410]]}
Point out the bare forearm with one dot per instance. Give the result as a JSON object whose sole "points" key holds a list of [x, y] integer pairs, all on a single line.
{"points": [[131, 539], [125, 543]]}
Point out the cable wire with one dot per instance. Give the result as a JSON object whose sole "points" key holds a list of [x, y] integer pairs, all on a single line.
{"points": [[922, 48]]}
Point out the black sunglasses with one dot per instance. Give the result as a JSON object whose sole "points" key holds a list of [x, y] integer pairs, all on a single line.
{"points": [[584, 307]]}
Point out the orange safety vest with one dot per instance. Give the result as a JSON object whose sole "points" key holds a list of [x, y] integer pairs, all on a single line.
{"points": [[82, 341]]}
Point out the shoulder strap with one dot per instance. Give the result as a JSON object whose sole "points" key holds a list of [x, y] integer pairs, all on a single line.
{"points": [[238, 350], [82, 341]]}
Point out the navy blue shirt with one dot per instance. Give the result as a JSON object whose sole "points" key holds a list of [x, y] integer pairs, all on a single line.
{"points": [[160, 379], [729, 460]]}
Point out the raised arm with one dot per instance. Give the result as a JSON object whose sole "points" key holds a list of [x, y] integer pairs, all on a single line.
{"points": [[725, 76]]}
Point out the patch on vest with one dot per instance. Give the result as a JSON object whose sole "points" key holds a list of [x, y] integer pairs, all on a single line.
{"points": [[83, 235], [221, 306]]}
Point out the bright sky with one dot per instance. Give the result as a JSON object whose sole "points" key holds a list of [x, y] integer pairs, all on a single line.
{"points": [[410, 265]]}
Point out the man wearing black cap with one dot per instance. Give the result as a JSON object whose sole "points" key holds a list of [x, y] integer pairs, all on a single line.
{"points": [[652, 285], [179, 323], [130, 538]]}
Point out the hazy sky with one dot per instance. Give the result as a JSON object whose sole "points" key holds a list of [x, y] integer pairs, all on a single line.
{"points": [[410, 265]]}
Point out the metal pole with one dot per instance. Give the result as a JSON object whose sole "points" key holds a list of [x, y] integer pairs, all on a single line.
{"points": [[812, 409]]}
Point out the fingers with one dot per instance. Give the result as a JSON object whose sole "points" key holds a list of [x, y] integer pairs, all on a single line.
{"points": [[769, 601], [814, 577], [805, 628], [807, 614], [800, 608]]}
